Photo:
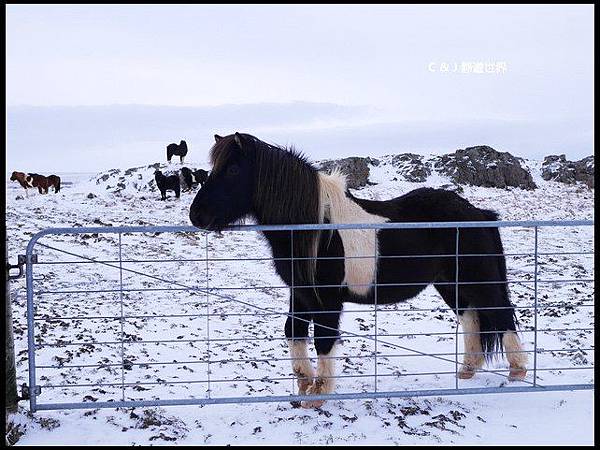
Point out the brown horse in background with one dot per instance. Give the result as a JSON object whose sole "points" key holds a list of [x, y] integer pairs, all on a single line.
{"points": [[54, 180], [35, 180]]}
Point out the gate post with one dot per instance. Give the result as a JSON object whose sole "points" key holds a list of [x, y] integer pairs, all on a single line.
{"points": [[11, 373]]}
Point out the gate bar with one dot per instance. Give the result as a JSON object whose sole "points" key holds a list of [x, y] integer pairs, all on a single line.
{"points": [[341, 396]]}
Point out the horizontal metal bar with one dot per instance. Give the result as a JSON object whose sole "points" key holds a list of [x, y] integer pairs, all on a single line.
{"points": [[343, 335], [353, 311], [320, 226], [311, 286], [301, 258], [271, 359], [296, 398], [287, 378]]}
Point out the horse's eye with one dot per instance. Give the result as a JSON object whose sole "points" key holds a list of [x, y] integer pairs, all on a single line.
{"points": [[233, 170]]}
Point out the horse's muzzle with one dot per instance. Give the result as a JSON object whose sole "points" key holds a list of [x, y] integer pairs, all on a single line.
{"points": [[201, 219]]}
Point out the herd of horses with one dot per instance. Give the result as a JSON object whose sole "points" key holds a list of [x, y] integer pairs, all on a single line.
{"points": [[35, 180], [326, 268], [185, 180]]}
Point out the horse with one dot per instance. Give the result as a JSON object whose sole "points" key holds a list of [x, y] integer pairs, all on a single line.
{"points": [[276, 185], [200, 176], [186, 178], [33, 180], [191, 178], [54, 180], [167, 182], [178, 150], [23, 180]]}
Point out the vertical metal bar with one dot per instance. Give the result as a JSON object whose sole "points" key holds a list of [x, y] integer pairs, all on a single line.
{"points": [[375, 298], [30, 329], [9, 347], [292, 299], [535, 306], [456, 306], [122, 321], [207, 320]]}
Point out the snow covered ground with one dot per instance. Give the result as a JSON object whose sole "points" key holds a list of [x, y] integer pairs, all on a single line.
{"points": [[245, 346]]}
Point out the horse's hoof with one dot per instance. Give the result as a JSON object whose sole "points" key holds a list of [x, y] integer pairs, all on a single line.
{"points": [[465, 374], [517, 374], [312, 404]]}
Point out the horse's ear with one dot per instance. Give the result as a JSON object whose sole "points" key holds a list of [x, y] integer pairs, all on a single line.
{"points": [[218, 138], [238, 139]]}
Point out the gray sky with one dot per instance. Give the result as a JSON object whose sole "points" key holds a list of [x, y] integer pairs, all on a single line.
{"points": [[381, 66]]}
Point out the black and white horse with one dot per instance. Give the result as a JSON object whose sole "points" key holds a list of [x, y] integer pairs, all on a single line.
{"points": [[275, 185], [191, 178], [177, 150]]}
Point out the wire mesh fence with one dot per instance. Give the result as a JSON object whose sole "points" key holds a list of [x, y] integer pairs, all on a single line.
{"points": [[148, 316]]}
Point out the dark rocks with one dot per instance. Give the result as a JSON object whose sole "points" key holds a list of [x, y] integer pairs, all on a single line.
{"points": [[107, 175], [558, 168], [91, 195], [484, 166], [355, 168], [412, 167], [453, 187]]}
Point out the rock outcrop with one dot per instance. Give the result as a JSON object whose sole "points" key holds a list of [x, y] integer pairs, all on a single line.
{"points": [[484, 166], [558, 168], [412, 167], [355, 168]]}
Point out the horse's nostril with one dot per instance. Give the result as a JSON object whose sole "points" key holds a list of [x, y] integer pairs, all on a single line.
{"points": [[198, 217]]}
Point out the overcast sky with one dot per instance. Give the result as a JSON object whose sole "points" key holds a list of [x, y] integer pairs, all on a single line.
{"points": [[378, 65]]}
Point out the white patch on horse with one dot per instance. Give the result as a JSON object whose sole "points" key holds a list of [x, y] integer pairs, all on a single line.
{"points": [[324, 382], [29, 181], [517, 359], [473, 358], [301, 364], [358, 272]]}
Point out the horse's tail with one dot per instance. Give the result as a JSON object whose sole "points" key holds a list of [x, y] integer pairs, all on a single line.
{"points": [[489, 336], [57, 185]]}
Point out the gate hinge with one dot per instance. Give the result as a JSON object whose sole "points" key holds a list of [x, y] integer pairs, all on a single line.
{"points": [[26, 393]]}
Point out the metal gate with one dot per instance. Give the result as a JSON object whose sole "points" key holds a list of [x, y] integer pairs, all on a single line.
{"points": [[100, 327]]}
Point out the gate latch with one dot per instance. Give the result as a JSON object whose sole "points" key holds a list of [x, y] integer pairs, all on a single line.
{"points": [[26, 393], [21, 261]]}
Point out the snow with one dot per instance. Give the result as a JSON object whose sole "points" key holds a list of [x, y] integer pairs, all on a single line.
{"points": [[246, 345]]}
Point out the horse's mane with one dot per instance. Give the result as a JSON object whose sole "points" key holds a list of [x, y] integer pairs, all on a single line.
{"points": [[286, 192]]}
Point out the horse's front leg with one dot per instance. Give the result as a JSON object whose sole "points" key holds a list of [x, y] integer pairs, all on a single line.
{"points": [[326, 337], [296, 331]]}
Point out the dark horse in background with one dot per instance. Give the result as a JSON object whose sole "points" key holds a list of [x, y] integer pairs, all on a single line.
{"points": [[191, 178], [34, 180], [177, 150], [279, 186], [167, 182]]}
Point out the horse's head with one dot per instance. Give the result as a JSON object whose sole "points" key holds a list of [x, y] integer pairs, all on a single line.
{"points": [[17, 176], [227, 194]]}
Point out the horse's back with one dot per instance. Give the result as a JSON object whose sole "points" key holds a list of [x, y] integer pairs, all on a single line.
{"points": [[435, 205], [427, 205]]}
